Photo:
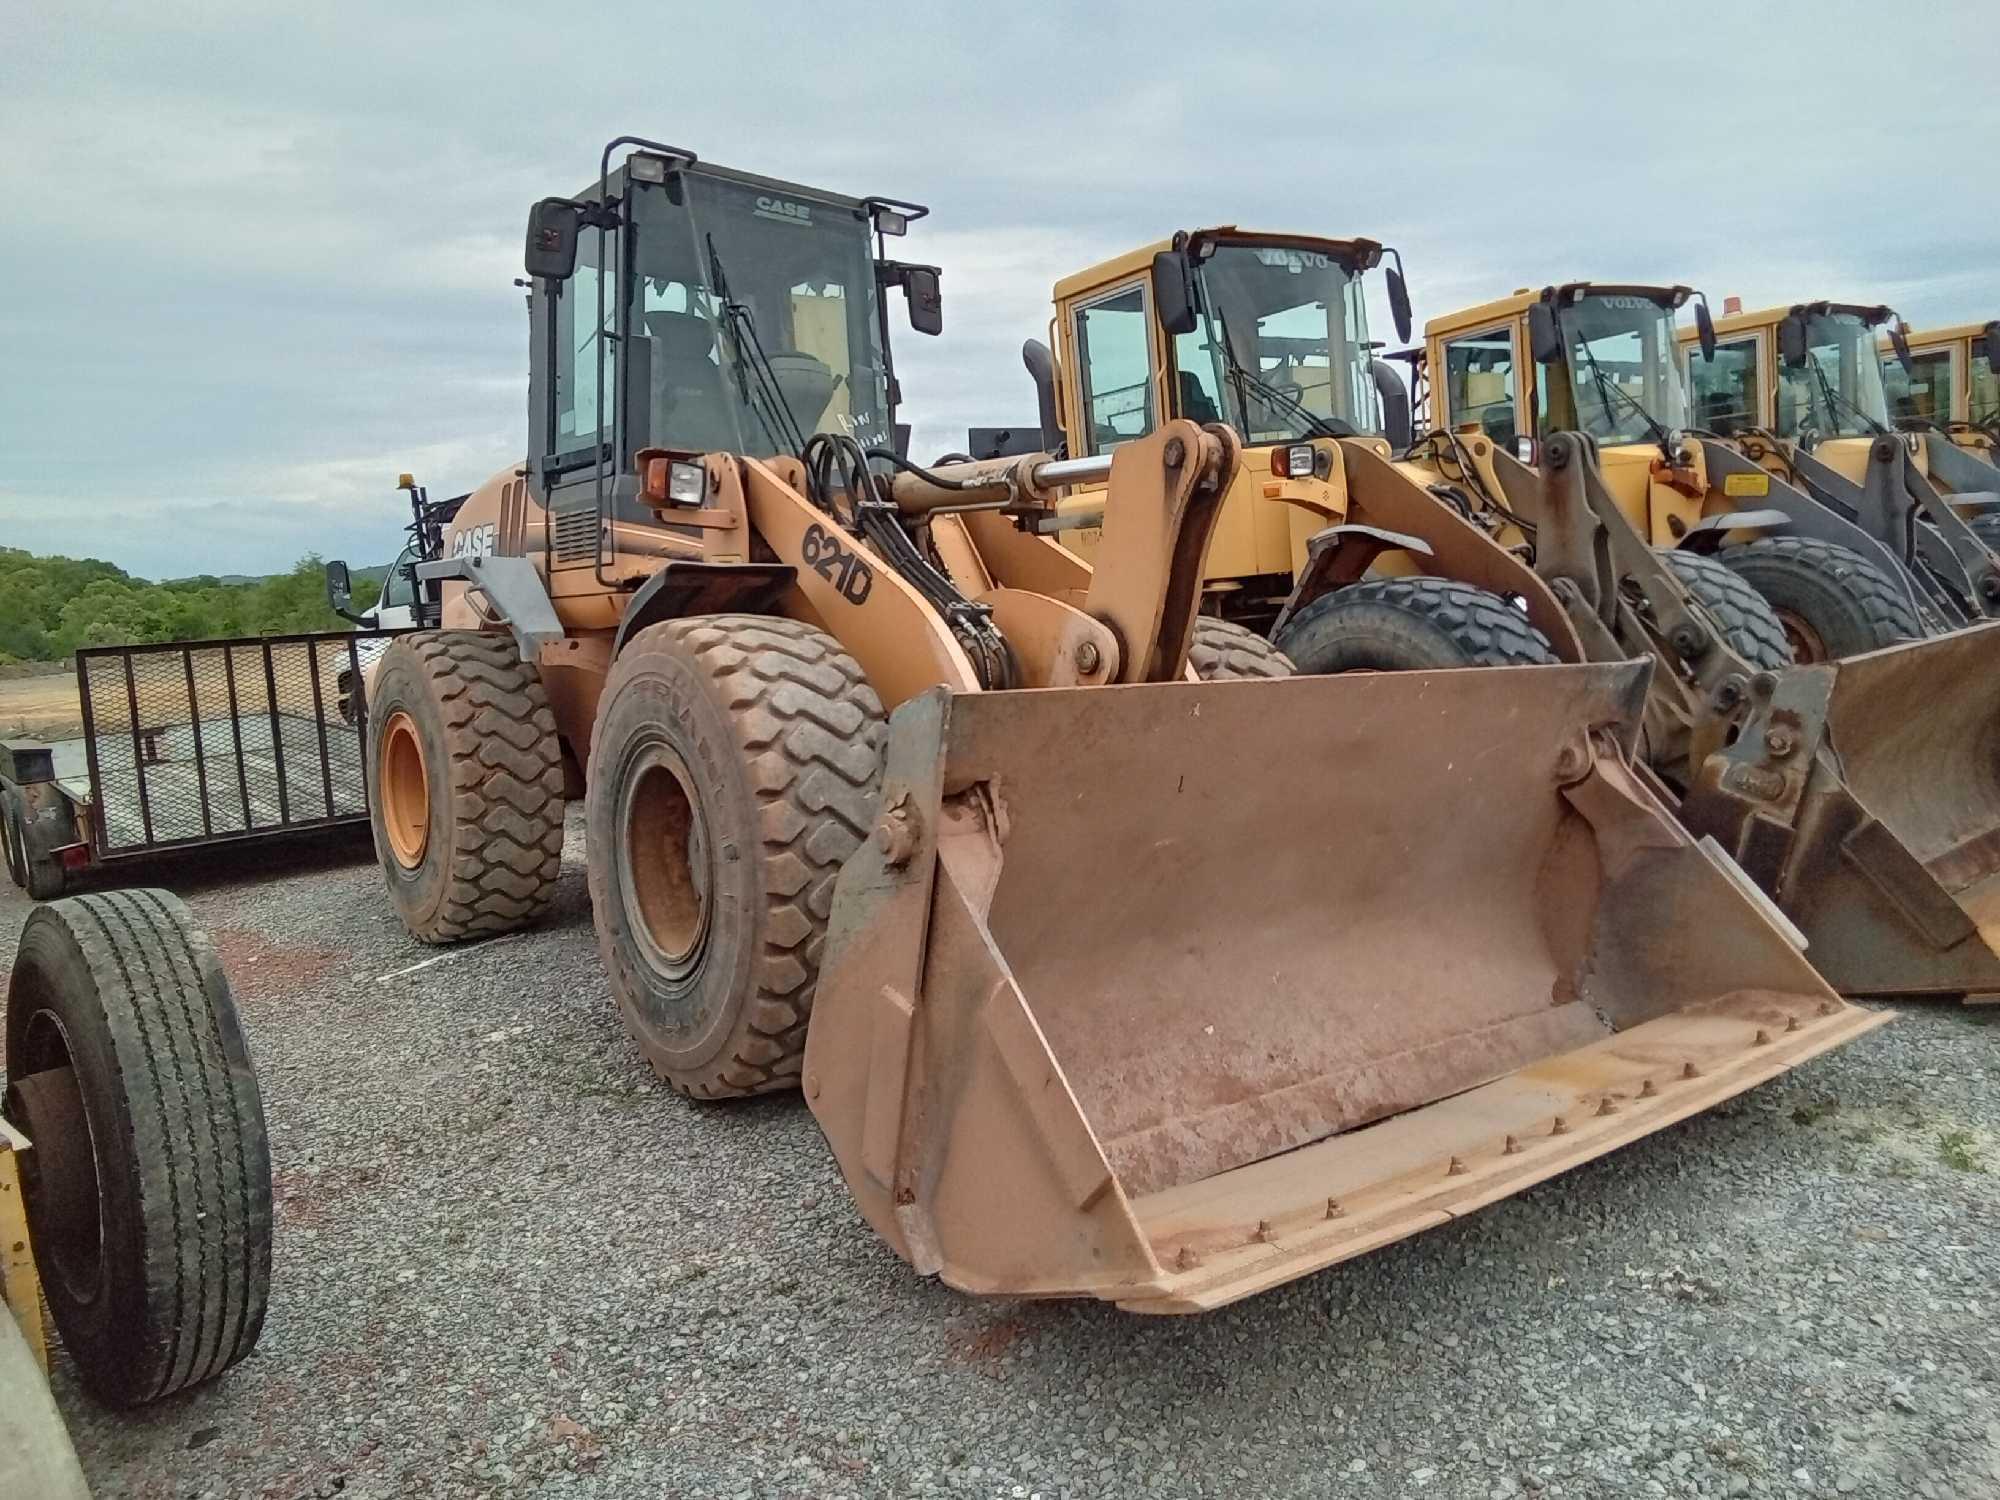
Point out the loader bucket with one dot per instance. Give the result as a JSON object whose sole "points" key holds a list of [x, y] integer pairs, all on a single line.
{"points": [[1896, 875], [1167, 994]]}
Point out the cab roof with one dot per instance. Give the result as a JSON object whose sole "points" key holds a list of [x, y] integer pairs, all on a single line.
{"points": [[1506, 308], [1134, 261]]}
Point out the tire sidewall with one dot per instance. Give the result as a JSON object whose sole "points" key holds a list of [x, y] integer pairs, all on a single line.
{"points": [[403, 686], [1821, 601], [657, 698], [12, 839], [52, 977]]}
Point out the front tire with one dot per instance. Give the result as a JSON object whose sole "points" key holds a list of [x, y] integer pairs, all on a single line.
{"points": [[466, 786], [1222, 651], [735, 766], [1744, 617], [1411, 624], [1831, 601]]}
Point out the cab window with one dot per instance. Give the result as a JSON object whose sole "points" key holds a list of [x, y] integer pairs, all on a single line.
{"points": [[1479, 382], [1924, 394], [397, 590], [577, 348], [1115, 356], [1725, 388]]}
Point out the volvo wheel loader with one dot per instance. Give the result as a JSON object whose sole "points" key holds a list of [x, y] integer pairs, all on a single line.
{"points": [[1799, 391], [1101, 980], [1456, 553], [1951, 387]]}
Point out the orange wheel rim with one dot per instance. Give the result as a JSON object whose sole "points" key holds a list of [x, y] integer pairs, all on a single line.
{"points": [[405, 790]]}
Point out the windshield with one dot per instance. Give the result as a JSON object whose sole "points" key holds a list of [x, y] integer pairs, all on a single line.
{"points": [[754, 319], [1282, 347], [1622, 368], [1838, 391], [1982, 400]]}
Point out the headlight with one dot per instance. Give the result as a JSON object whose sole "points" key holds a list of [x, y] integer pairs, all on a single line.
{"points": [[686, 484], [1297, 461]]}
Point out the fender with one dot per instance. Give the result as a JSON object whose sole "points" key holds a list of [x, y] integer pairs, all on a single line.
{"points": [[701, 588]]}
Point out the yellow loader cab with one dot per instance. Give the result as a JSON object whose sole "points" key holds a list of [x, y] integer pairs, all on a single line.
{"points": [[1266, 332], [1803, 391], [1952, 385]]}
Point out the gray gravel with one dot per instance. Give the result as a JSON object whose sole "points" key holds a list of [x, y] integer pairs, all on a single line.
{"points": [[509, 1263]]}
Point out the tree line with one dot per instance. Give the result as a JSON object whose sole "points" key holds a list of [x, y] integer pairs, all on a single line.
{"points": [[49, 606]]}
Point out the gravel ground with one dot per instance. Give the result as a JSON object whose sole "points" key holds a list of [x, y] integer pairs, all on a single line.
{"points": [[510, 1263]]}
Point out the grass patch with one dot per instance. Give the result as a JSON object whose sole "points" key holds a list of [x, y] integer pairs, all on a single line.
{"points": [[1958, 1150]]}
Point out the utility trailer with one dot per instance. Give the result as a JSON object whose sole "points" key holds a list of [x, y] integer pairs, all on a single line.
{"points": [[186, 745]]}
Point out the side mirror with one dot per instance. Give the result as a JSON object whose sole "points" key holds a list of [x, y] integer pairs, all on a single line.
{"points": [[553, 225], [1544, 336], [1042, 370], [920, 288], [1399, 299], [1792, 341], [1993, 345], [340, 593], [1899, 340], [1173, 291], [1704, 329]]}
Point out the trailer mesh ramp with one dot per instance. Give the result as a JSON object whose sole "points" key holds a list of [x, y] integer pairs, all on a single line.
{"points": [[194, 742]]}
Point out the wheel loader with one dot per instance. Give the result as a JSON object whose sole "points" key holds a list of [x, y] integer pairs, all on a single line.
{"points": [[1950, 387], [1456, 553], [1101, 980], [1799, 391]]}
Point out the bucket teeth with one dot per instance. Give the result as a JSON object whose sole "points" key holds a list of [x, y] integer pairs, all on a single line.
{"points": [[1689, 1070], [1607, 1105], [1561, 1127], [1512, 1148], [1265, 1233], [1647, 1090], [1333, 1209], [1762, 1039], [1187, 1260], [1457, 1168]]}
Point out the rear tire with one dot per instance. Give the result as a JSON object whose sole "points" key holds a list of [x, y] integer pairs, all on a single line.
{"points": [[10, 836], [149, 1186], [1411, 624], [1222, 651], [1831, 601], [1744, 617], [735, 765], [466, 785], [32, 862]]}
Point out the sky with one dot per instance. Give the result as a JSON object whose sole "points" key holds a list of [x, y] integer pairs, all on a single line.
{"points": [[255, 263]]}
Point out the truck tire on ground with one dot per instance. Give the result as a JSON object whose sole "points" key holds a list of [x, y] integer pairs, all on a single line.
{"points": [[148, 1187], [1831, 601], [1411, 624], [1748, 624], [466, 783], [735, 765], [1221, 650]]}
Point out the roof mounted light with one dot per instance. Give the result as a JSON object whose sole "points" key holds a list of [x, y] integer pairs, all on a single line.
{"points": [[892, 215]]}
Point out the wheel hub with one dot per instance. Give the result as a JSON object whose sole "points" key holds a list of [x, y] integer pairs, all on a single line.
{"points": [[405, 789], [1807, 646], [61, 1166], [665, 855]]}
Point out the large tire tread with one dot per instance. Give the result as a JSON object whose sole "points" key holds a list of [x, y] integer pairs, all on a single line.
{"points": [[810, 729], [1222, 650], [1415, 623], [1858, 608], [1744, 616], [174, 1092], [506, 784]]}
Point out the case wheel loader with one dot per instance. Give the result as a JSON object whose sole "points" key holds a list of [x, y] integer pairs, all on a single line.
{"points": [[1459, 554], [1101, 980]]}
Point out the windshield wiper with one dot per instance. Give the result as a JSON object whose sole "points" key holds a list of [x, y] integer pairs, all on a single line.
{"points": [[1607, 388], [1316, 425], [1834, 399], [748, 359]]}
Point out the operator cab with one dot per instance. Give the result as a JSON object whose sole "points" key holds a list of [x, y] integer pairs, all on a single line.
{"points": [[682, 307]]}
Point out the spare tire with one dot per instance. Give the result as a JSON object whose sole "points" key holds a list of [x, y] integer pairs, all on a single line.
{"points": [[148, 1181]]}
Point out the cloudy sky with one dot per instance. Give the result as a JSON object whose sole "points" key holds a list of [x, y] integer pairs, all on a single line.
{"points": [[256, 263]]}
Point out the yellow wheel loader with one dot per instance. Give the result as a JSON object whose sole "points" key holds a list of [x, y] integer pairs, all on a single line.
{"points": [[1951, 387], [1799, 391], [1458, 554], [1101, 980]]}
